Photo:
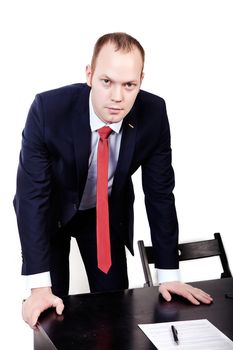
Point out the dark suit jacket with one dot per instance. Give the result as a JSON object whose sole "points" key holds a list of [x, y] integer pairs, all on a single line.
{"points": [[53, 169]]}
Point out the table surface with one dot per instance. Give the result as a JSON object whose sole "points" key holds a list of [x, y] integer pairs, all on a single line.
{"points": [[108, 321]]}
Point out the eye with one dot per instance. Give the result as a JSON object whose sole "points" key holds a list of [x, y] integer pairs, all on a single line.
{"points": [[106, 82], [130, 85]]}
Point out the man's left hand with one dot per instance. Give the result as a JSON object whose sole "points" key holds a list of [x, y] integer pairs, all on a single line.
{"points": [[194, 295]]}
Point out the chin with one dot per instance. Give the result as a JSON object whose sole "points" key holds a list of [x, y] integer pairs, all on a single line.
{"points": [[115, 118]]}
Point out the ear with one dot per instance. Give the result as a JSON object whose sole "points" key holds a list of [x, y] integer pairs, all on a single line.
{"points": [[88, 74], [142, 77]]}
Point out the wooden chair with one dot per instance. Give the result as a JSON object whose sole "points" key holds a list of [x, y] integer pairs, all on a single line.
{"points": [[187, 251]]}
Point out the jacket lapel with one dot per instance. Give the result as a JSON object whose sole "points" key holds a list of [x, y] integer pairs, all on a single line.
{"points": [[126, 150], [81, 137]]}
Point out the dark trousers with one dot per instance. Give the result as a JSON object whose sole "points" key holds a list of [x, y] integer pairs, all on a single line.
{"points": [[83, 228]]}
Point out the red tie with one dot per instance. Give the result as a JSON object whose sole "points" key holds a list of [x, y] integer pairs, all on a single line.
{"points": [[102, 217]]}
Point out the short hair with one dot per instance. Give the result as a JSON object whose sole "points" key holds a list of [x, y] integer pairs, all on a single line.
{"points": [[122, 41]]}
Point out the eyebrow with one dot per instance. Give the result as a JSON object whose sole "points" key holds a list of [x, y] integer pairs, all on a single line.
{"points": [[105, 76]]}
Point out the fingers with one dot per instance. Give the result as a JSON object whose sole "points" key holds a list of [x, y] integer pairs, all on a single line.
{"points": [[194, 295], [201, 295], [58, 304], [165, 293], [37, 303], [34, 318], [189, 296]]}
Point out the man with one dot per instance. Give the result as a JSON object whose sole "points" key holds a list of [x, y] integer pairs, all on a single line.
{"points": [[58, 180]]}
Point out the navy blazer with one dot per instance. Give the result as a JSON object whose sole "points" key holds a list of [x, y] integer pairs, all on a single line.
{"points": [[53, 169]]}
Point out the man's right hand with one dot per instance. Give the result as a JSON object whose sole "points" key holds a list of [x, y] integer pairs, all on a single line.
{"points": [[40, 300]]}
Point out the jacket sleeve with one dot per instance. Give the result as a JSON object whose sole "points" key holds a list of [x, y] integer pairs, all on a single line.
{"points": [[32, 197], [158, 185]]}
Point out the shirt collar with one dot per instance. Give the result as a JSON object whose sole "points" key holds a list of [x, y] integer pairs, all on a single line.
{"points": [[96, 123]]}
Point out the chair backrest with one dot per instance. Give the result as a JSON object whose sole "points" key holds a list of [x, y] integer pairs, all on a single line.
{"points": [[188, 251]]}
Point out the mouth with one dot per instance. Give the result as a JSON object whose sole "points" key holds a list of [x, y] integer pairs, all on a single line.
{"points": [[114, 110]]}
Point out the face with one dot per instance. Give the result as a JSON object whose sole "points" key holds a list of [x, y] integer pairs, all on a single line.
{"points": [[115, 82]]}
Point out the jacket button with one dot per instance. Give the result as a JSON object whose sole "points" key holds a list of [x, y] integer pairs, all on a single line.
{"points": [[75, 207], [59, 224]]}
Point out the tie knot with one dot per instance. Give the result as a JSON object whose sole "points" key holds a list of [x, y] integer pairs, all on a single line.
{"points": [[104, 132]]}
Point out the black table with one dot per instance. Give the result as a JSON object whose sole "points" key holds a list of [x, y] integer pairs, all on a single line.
{"points": [[109, 321]]}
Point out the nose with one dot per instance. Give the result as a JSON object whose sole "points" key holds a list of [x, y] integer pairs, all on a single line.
{"points": [[117, 94]]}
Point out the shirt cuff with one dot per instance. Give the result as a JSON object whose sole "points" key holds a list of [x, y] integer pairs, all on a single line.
{"points": [[38, 280], [164, 275]]}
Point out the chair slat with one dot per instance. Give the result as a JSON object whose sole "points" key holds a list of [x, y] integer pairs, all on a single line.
{"points": [[188, 251]]}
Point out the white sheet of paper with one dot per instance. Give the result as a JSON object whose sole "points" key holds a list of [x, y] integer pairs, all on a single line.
{"points": [[194, 335]]}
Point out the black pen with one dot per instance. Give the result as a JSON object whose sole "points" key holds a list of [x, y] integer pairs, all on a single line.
{"points": [[175, 334]]}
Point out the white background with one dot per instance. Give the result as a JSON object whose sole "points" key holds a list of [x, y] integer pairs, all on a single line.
{"points": [[188, 44]]}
